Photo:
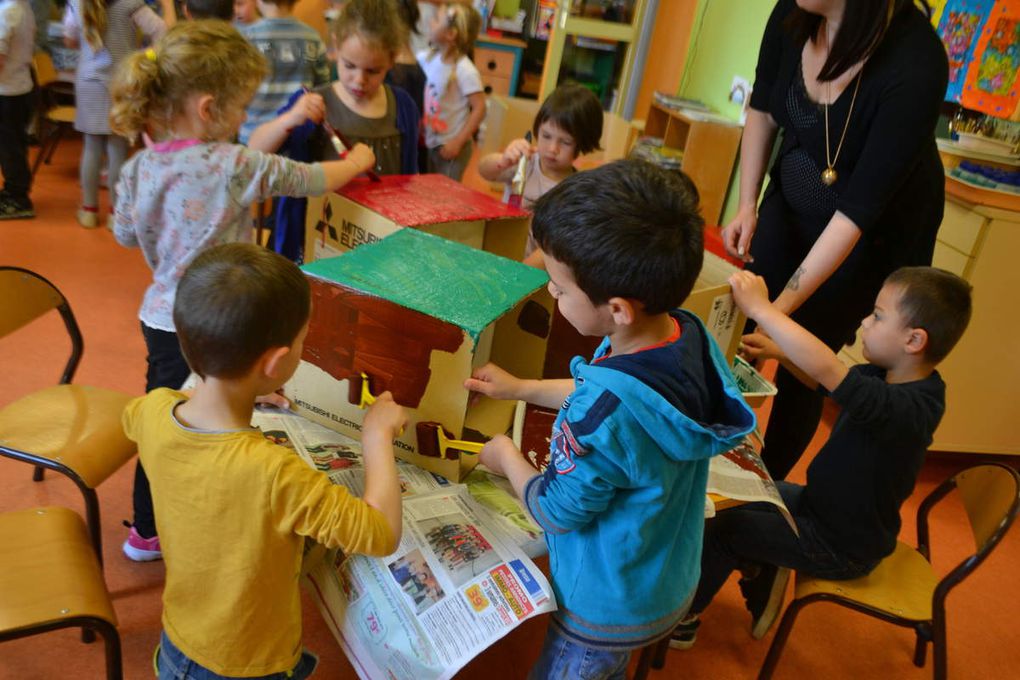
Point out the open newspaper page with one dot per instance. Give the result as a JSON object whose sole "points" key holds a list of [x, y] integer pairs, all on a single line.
{"points": [[459, 581], [740, 475]]}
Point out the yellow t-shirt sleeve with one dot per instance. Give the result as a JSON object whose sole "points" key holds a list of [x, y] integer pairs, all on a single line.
{"points": [[305, 502]]}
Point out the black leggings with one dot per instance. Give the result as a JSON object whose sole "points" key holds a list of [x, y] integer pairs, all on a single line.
{"points": [[167, 368], [832, 314]]}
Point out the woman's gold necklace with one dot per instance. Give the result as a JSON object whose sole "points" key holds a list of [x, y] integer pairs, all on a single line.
{"points": [[829, 175]]}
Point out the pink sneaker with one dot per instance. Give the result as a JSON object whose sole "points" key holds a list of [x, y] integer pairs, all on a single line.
{"points": [[142, 549]]}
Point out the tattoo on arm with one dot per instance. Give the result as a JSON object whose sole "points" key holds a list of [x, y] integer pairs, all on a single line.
{"points": [[794, 282]]}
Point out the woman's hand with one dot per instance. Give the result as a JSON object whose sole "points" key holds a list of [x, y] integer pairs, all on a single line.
{"points": [[737, 234]]}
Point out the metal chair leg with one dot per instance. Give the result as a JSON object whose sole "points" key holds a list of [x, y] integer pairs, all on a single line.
{"points": [[56, 140], [921, 645], [37, 474], [659, 660], [111, 640], [776, 648], [92, 519], [644, 662]]}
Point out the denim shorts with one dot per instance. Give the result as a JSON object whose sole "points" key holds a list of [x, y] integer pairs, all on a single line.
{"points": [[172, 664], [564, 659]]}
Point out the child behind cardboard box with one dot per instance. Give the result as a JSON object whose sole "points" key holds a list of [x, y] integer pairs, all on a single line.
{"points": [[848, 513], [233, 509], [622, 500]]}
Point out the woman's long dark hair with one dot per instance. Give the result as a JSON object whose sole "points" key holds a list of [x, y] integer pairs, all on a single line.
{"points": [[864, 25]]}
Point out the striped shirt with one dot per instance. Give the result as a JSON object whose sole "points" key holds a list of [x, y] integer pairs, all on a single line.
{"points": [[297, 58]]}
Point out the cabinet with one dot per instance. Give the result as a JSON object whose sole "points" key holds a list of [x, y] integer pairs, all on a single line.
{"points": [[709, 144], [498, 60], [982, 373]]}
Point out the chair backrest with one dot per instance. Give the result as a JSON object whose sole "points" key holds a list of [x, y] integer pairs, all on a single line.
{"points": [[45, 73], [991, 496], [27, 296]]}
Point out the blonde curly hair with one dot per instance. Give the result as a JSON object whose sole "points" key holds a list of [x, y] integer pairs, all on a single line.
{"points": [[151, 88]]}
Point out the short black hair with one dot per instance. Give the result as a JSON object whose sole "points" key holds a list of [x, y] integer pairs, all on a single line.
{"points": [[234, 302], [626, 229], [576, 110], [937, 301], [409, 13], [210, 9]]}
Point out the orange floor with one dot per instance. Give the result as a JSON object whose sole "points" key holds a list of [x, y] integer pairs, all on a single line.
{"points": [[104, 283]]}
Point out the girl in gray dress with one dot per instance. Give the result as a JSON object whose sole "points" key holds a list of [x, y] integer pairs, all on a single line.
{"points": [[106, 32]]}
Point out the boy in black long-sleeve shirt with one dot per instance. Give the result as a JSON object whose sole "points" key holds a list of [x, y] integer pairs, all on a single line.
{"points": [[847, 515]]}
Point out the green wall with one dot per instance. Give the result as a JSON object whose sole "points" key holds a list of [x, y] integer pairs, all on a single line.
{"points": [[725, 41]]}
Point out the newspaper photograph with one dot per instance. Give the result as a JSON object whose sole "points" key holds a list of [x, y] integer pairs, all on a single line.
{"points": [[455, 585], [740, 474], [460, 579]]}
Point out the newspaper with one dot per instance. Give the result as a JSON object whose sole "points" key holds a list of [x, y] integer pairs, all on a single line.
{"points": [[740, 475], [460, 579]]}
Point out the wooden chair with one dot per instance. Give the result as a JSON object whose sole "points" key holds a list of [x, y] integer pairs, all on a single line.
{"points": [[56, 108], [50, 579], [72, 429], [904, 589]]}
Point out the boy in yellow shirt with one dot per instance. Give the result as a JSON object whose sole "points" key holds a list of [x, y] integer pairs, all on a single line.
{"points": [[233, 508]]}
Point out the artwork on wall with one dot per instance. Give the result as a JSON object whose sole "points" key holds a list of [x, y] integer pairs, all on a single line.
{"points": [[992, 85], [960, 27]]}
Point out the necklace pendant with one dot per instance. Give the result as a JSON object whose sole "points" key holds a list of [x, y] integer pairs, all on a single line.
{"points": [[828, 177]]}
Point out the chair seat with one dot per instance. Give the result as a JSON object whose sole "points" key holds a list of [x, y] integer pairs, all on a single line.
{"points": [[61, 114], [902, 585], [48, 570], [76, 425]]}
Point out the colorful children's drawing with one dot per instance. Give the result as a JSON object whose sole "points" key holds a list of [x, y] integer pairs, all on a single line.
{"points": [[993, 80], [959, 28]]}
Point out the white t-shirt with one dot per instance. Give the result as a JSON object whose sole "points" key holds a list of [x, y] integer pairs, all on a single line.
{"points": [[17, 41], [447, 89]]}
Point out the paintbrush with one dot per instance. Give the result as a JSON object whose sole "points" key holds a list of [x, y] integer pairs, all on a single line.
{"points": [[520, 177], [367, 398], [340, 144], [435, 442]]}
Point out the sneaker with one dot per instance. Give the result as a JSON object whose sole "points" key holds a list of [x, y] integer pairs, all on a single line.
{"points": [[763, 596], [88, 217], [685, 633], [142, 549], [13, 209]]}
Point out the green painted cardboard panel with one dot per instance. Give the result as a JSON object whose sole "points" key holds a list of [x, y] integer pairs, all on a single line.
{"points": [[460, 285]]}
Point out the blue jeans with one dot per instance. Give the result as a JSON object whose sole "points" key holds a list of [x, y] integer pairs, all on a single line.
{"points": [[564, 659], [756, 533], [172, 664]]}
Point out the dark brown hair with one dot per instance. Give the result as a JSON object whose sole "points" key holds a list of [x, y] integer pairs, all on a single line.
{"points": [[234, 302], [625, 229], [576, 110], [865, 23], [935, 300]]}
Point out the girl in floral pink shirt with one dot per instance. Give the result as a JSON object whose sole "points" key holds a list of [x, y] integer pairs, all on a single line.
{"points": [[192, 188]]}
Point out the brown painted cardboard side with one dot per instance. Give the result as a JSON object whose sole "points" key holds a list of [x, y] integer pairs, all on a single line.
{"points": [[712, 302]]}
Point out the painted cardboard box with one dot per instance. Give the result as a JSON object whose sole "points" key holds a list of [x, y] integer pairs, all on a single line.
{"points": [[364, 211], [415, 313]]}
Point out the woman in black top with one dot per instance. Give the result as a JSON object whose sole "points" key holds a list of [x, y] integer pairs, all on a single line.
{"points": [[842, 210]]}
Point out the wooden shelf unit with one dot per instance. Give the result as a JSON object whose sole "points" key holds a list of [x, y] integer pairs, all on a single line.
{"points": [[709, 152]]}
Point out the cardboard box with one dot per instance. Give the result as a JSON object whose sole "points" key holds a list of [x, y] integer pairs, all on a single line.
{"points": [[416, 313], [364, 212], [712, 302]]}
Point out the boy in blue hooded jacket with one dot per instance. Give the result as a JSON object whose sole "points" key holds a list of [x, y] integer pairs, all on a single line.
{"points": [[622, 500]]}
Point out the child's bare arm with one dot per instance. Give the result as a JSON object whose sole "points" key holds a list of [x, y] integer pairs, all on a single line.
{"points": [[382, 423], [803, 349], [757, 345], [271, 135], [493, 165], [501, 456], [338, 173], [493, 381]]}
